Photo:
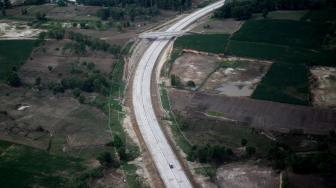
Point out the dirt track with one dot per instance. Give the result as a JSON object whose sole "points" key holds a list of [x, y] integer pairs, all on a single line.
{"points": [[259, 114]]}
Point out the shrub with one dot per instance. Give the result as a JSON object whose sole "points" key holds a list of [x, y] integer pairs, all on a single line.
{"points": [[243, 142], [175, 80], [14, 80], [191, 83]]}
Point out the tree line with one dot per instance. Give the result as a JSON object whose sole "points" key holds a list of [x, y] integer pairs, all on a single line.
{"points": [[162, 4], [242, 10]]}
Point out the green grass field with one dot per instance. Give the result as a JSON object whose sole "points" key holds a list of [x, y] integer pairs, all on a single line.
{"points": [[214, 43], [280, 53], [328, 15], [285, 32], [14, 53], [284, 82], [22, 166]]}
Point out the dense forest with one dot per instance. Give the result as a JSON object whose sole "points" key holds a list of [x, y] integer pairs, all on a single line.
{"points": [[242, 10]]}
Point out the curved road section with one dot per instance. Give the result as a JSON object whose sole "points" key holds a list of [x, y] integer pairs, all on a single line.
{"points": [[166, 162]]}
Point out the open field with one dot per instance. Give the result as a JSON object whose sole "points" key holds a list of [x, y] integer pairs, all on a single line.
{"points": [[287, 83], [241, 175], [323, 88], [257, 113], [11, 57], [296, 15], [16, 30], [194, 67], [70, 12], [214, 43], [211, 26], [22, 166], [327, 15], [283, 32], [235, 77]]}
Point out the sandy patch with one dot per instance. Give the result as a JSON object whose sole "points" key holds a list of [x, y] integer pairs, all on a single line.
{"points": [[17, 30], [238, 175], [323, 87]]}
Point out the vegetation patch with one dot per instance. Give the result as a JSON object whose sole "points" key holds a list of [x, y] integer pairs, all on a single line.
{"points": [[22, 166], [287, 83], [11, 57], [214, 43], [280, 53], [285, 32]]}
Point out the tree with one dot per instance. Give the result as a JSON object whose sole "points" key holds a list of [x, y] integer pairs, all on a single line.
{"points": [[105, 158], [38, 81], [191, 83], [81, 99], [76, 93], [50, 68], [265, 13], [14, 80], [243, 142], [175, 80], [117, 141], [250, 150], [40, 16]]}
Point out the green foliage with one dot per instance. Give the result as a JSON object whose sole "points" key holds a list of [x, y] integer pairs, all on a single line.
{"points": [[191, 83], [14, 80], [31, 167], [243, 142], [166, 4], [175, 80], [284, 32], [41, 16], [11, 57], [75, 48], [250, 150], [81, 99], [246, 8], [214, 43], [210, 154], [287, 83], [56, 33], [76, 92], [108, 159]]}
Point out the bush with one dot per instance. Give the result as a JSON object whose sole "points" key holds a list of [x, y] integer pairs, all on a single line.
{"points": [[175, 80], [81, 99], [14, 80], [191, 83], [76, 93], [250, 150], [243, 142]]}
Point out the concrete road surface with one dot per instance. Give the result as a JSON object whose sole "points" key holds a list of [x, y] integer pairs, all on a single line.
{"points": [[164, 158]]}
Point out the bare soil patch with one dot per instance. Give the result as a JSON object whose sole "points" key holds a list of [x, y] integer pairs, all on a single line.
{"points": [[70, 12], [241, 175], [257, 113], [50, 54], [55, 122], [323, 87], [238, 80], [218, 26], [194, 67], [16, 30]]}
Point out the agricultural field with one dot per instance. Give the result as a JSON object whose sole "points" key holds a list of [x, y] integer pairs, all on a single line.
{"points": [[22, 166], [213, 43], [295, 15], [11, 57], [286, 83], [308, 35]]}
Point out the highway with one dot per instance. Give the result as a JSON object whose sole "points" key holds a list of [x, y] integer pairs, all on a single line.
{"points": [[148, 124]]}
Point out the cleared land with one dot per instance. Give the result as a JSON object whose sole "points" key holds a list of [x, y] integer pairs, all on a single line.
{"points": [[259, 114], [211, 26], [324, 86], [237, 175]]}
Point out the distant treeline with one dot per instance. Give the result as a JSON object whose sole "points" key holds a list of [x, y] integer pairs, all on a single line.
{"points": [[162, 4], [242, 10]]}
